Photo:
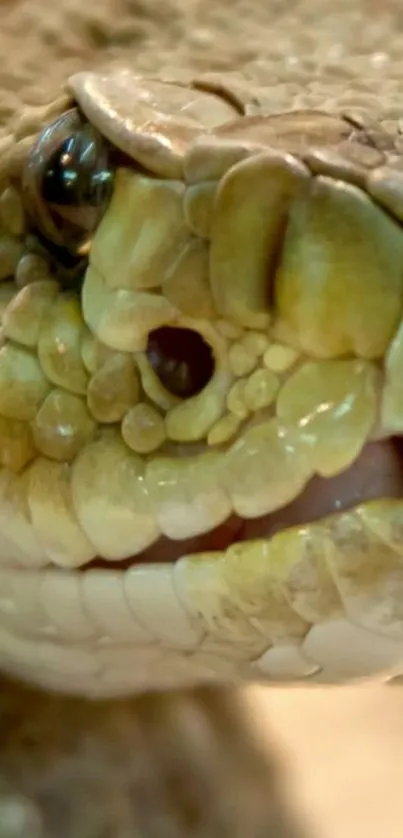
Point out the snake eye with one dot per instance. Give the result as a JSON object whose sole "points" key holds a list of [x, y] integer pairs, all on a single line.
{"points": [[68, 181], [181, 359]]}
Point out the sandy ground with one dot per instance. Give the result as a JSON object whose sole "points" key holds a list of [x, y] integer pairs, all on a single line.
{"points": [[342, 750]]}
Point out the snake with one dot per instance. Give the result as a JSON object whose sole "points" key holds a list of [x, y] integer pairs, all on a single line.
{"points": [[201, 390]]}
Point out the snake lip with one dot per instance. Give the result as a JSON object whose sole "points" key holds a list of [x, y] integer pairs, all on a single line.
{"points": [[168, 550], [376, 473]]}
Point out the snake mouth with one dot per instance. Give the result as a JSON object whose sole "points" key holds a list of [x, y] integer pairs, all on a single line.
{"points": [[376, 474]]}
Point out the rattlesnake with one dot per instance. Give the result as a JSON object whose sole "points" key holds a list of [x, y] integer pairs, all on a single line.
{"points": [[200, 390]]}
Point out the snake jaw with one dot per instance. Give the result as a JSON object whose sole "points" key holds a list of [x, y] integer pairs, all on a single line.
{"points": [[198, 477]]}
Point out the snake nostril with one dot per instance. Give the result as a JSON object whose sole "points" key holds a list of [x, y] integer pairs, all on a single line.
{"points": [[182, 360]]}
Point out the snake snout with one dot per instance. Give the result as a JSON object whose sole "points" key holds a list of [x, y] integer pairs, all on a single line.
{"points": [[199, 439]]}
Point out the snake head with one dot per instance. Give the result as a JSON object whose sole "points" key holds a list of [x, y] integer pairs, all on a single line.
{"points": [[200, 389]]}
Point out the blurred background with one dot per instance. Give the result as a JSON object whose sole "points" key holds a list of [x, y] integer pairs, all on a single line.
{"points": [[341, 751]]}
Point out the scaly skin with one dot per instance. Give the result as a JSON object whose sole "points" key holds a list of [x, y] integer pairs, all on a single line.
{"points": [[272, 242], [320, 601]]}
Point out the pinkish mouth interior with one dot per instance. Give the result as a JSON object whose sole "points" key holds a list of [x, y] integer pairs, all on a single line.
{"points": [[376, 473]]}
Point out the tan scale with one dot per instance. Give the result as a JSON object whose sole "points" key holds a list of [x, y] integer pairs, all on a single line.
{"points": [[272, 230], [266, 468], [224, 429], [62, 426], [235, 596], [32, 268], [322, 309], [113, 389], [11, 250], [198, 207], [23, 385], [187, 494], [152, 385], [247, 212], [8, 292], [186, 284], [229, 330], [236, 401], [255, 342], [25, 314], [126, 250], [261, 389], [241, 360], [279, 358], [331, 407], [107, 469], [94, 354], [17, 446], [392, 396], [54, 517], [385, 184], [120, 318], [17, 529], [12, 215], [59, 345], [143, 428]]}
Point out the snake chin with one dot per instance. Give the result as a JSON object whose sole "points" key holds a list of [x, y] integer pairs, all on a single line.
{"points": [[376, 474]]}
